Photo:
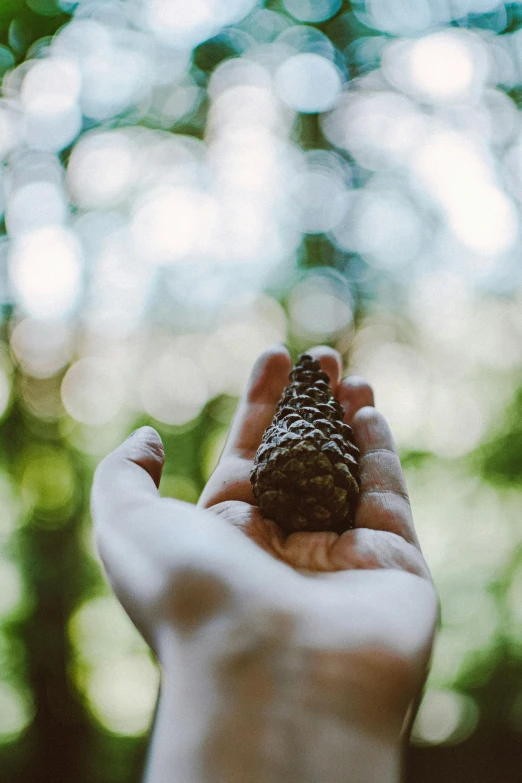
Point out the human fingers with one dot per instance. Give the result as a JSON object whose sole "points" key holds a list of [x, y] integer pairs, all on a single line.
{"points": [[354, 393], [230, 481], [264, 390], [331, 363], [270, 375], [258, 405], [129, 475], [231, 478], [383, 501]]}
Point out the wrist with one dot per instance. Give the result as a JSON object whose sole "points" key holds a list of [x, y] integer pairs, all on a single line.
{"points": [[249, 747], [260, 716]]}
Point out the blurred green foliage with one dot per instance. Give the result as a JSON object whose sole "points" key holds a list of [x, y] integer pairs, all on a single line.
{"points": [[500, 458], [22, 23]]}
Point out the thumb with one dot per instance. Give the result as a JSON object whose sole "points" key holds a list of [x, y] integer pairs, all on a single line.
{"points": [[144, 448], [129, 475], [123, 503]]}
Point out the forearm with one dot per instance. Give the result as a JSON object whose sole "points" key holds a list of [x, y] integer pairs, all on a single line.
{"points": [[245, 726], [248, 749]]}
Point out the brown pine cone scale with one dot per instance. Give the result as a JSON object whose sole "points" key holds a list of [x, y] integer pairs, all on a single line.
{"points": [[306, 472]]}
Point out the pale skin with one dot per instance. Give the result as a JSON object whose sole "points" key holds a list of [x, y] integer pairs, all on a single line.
{"points": [[283, 659]]}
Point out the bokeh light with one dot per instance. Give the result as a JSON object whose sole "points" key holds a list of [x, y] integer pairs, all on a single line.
{"points": [[171, 224], [101, 169], [461, 66], [35, 205], [174, 389], [15, 712], [10, 509], [320, 307], [92, 391], [122, 694], [445, 717], [48, 484], [42, 348], [308, 83], [185, 26], [45, 270], [384, 227], [312, 10], [11, 589], [113, 668]]}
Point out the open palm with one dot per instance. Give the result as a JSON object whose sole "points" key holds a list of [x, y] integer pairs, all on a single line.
{"points": [[378, 566], [384, 535]]}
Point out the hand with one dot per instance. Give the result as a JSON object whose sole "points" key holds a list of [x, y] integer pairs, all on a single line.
{"points": [[319, 638], [384, 535]]}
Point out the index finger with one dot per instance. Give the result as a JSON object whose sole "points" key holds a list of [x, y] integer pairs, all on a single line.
{"points": [[383, 503], [258, 405]]}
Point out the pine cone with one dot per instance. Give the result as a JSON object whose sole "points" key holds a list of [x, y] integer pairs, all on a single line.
{"points": [[306, 474]]}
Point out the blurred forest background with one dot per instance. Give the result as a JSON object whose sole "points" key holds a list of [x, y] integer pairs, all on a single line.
{"points": [[187, 182]]}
